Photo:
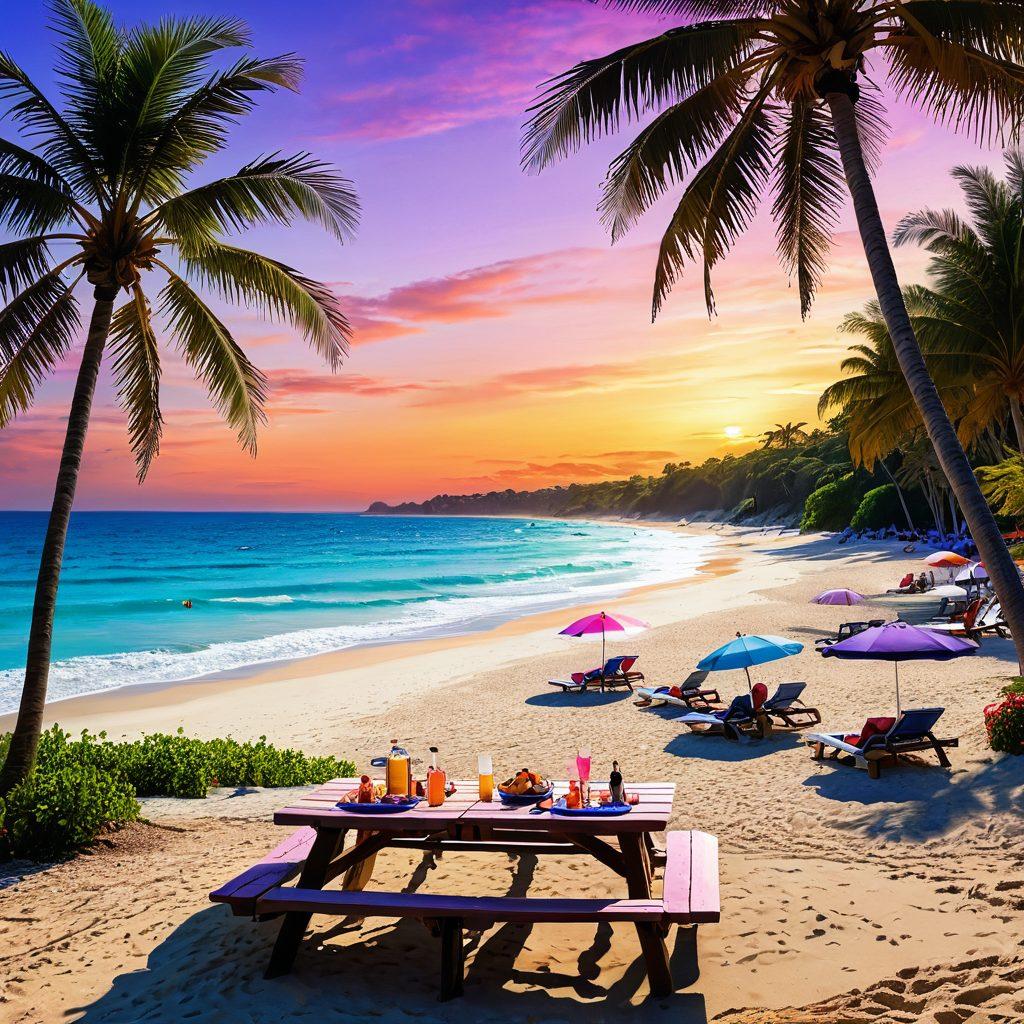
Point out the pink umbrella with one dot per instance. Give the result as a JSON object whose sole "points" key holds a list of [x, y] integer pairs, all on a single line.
{"points": [[603, 622], [840, 596]]}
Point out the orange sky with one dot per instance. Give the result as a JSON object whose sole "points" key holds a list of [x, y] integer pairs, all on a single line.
{"points": [[501, 342]]}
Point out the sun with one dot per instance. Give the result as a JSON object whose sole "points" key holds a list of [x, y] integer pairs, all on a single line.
{"points": [[733, 431]]}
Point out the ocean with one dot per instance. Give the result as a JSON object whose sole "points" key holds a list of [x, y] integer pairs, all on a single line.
{"points": [[268, 587]]}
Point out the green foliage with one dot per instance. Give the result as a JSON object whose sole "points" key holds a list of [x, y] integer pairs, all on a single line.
{"points": [[1016, 685], [878, 508], [1003, 484], [81, 786], [832, 507]]}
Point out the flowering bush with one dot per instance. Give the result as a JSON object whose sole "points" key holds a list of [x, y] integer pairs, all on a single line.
{"points": [[1004, 720]]}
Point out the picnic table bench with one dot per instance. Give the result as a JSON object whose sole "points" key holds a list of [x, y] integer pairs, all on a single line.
{"points": [[316, 852]]}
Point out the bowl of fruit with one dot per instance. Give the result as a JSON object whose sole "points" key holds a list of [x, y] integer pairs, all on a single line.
{"points": [[525, 787]]}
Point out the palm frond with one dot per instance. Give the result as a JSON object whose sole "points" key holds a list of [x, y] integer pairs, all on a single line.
{"points": [[162, 65], [808, 194], [37, 328], [238, 389], [718, 203], [591, 99], [22, 262], [198, 128], [248, 278], [87, 60], [668, 149], [136, 365], [34, 206], [992, 25], [931, 228], [273, 188], [698, 8], [965, 88], [59, 144]]}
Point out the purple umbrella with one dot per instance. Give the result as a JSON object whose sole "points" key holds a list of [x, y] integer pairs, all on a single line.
{"points": [[900, 641], [604, 622], [840, 596]]}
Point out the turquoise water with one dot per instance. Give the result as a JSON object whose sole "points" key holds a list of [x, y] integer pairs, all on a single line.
{"points": [[269, 587]]}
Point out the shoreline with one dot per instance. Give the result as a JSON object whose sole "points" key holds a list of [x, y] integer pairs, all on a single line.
{"points": [[167, 693]]}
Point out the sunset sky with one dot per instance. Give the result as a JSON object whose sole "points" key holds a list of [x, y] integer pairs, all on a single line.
{"points": [[501, 341]]}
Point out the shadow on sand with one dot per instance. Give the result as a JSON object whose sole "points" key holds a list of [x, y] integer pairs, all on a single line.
{"points": [[210, 968], [719, 748], [921, 801], [590, 698]]}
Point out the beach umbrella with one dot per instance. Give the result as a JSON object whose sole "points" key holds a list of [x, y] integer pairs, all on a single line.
{"points": [[945, 560], [900, 641], [603, 623], [745, 651], [973, 571], [950, 590], [840, 596]]}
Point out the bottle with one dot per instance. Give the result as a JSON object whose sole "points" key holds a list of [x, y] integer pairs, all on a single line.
{"points": [[399, 771], [436, 780], [485, 769], [616, 790]]}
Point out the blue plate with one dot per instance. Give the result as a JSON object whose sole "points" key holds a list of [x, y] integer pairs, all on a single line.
{"points": [[378, 808], [602, 811], [525, 799]]}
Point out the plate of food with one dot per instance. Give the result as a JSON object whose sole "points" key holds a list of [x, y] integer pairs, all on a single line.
{"points": [[524, 788], [598, 810], [375, 799]]}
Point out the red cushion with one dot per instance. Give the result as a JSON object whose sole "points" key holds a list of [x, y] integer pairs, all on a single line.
{"points": [[758, 694], [674, 691], [907, 580], [872, 727]]}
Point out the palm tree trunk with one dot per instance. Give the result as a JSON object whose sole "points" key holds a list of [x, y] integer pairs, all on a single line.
{"points": [[25, 739], [1001, 568], [1018, 421], [899, 494]]}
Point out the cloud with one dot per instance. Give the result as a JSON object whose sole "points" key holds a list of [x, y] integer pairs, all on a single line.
{"points": [[460, 64], [287, 384]]}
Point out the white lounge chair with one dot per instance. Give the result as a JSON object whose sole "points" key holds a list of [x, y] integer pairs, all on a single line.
{"points": [[690, 693]]}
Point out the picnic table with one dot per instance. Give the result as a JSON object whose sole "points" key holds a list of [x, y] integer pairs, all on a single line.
{"points": [[330, 842]]}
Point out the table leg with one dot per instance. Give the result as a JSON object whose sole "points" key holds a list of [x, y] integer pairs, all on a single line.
{"points": [[659, 973], [313, 876], [453, 955]]}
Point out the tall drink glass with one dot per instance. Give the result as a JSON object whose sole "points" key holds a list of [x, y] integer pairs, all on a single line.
{"points": [[583, 769], [485, 769]]}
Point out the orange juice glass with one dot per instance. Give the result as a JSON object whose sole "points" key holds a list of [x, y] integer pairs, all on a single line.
{"points": [[485, 768]]}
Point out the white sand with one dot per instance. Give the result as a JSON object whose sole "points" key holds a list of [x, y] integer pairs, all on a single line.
{"points": [[897, 900]]}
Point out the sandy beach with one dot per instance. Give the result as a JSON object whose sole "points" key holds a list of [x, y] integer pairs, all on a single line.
{"points": [[844, 899]]}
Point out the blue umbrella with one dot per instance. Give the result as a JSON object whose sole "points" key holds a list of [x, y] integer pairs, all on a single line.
{"points": [[745, 651]]}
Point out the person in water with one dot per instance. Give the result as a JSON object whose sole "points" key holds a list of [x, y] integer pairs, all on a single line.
{"points": [[186, 603]]}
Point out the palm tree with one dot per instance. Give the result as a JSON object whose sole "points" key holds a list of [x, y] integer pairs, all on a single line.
{"points": [[785, 435], [977, 303], [105, 174], [759, 97]]}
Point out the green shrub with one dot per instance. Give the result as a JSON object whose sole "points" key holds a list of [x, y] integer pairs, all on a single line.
{"points": [[831, 507], [1016, 685], [744, 509], [81, 786], [878, 508], [55, 812]]}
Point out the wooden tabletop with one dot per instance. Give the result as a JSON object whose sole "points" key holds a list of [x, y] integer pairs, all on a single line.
{"points": [[319, 809]]}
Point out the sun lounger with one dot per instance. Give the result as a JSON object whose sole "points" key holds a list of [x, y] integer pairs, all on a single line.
{"points": [[905, 585], [786, 706], [690, 695], [910, 733], [846, 630], [987, 619], [617, 671], [742, 718]]}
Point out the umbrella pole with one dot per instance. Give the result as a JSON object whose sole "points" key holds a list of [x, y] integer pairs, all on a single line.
{"points": [[602, 645], [896, 664], [749, 684]]}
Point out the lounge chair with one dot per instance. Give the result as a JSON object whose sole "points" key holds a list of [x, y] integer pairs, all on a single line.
{"points": [[846, 630], [615, 672], [786, 706], [744, 717], [990, 621], [688, 695], [619, 672], [881, 739], [960, 625]]}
